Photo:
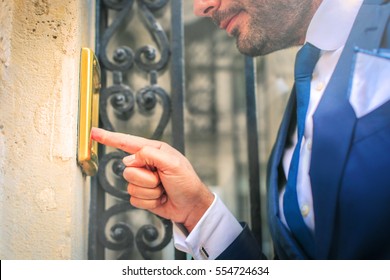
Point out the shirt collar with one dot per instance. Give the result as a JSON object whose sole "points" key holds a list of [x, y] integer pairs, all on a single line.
{"points": [[330, 27]]}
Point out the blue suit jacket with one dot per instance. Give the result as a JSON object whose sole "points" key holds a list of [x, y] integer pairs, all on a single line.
{"points": [[350, 165]]}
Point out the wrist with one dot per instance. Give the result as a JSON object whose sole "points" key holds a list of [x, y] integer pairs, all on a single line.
{"points": [[199, 210]]}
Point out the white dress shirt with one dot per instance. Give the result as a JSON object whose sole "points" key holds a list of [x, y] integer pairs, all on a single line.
{"points": [[328, 31]]}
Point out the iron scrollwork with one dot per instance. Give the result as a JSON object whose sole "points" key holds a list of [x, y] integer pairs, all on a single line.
{"points": [[120, 101]]}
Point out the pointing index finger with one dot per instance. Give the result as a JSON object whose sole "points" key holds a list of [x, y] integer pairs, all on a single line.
{"points": [[128, 143]]}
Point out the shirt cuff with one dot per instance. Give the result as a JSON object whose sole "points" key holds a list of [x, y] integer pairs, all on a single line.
{"points": [[214, 232]]}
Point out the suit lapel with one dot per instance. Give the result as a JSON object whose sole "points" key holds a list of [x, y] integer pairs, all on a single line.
{"points": [[280, 143], [334, 124], [285, 246]]}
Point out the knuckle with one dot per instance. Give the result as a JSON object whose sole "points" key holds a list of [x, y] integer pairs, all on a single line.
{"points": [[130, 189], [176, 163], [166, 147], [135, 202], [146, 150]]}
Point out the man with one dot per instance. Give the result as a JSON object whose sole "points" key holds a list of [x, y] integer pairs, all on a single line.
{"points": [[328, 179]]}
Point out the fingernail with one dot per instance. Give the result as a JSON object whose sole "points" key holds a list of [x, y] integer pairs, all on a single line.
{"points": [[164, 199], [128, 160]]}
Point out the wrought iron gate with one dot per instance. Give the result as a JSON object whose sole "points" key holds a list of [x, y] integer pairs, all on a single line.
{"points": [[140, 46]]}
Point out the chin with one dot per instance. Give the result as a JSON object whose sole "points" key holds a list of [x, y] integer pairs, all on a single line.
{"points": [[252, 51], [251, 47]]}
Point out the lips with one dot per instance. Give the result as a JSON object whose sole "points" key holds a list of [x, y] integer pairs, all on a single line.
{"points": [[227, 24]]}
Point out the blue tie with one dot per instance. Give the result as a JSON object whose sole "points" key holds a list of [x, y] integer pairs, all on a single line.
{"points": [[305, 62]]}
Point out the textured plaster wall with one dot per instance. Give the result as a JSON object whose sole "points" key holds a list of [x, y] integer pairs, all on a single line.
{"points": [[43, 195]]}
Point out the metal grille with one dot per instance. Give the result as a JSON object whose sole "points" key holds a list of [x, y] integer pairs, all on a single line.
{"points": [[140, 46]]}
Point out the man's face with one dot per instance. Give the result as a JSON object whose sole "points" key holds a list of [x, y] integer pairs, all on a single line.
{"points": [[260, 26]]}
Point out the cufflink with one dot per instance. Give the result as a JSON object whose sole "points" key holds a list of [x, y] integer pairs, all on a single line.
{"points": [[204, 253]]}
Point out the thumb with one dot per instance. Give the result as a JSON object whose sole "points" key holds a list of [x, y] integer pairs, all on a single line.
{"points": [[163, 160], [137, 162], [131, 161]]}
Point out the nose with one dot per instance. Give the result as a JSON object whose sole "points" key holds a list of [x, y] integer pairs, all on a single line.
{"points": [[204, 8]]}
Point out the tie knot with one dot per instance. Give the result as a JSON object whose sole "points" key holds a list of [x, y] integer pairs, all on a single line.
{"points": [[305, 61]]}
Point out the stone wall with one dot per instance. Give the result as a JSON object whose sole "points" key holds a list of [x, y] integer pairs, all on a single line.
{"points": [[43, 194]]}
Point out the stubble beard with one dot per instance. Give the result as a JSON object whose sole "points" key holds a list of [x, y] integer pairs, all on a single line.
{"points": [[256, 41], [252, 44], [266, 32], [249, 44]]}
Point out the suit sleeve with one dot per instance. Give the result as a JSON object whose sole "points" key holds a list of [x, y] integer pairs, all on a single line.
{"points": [[244, 247]]}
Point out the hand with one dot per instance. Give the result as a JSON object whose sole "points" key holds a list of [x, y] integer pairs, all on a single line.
{"points": [[160, 178]]}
